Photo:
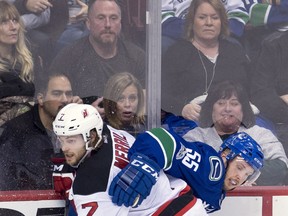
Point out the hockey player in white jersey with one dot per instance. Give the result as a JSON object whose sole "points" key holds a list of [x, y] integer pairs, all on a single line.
{"points": [[98, 153]]}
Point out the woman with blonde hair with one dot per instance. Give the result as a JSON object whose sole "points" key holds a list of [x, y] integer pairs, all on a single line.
{"points": [[17, 65], [124, 103]]}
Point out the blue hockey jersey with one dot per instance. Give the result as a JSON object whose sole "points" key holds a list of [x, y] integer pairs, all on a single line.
{"points": [[195, 162]]}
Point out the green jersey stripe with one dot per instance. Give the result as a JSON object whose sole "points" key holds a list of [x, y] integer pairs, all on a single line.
{"points": [[259, 14], [167, 144]]}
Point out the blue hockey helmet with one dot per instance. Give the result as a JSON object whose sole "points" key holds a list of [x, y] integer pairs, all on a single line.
{"points": [[241, 144]]}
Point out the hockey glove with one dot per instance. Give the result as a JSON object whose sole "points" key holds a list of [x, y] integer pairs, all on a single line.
{"points": [[63, 176], [134, 183], [62, 183]]}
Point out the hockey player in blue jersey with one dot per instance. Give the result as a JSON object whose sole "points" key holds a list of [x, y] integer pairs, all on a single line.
{"points": [[209, 173]]}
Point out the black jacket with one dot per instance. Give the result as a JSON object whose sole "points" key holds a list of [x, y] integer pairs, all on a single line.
{"points": [[12, 85], [270, 79], [25, 153]]}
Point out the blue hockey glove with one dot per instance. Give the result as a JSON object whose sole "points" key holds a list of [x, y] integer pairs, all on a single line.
{"points": [[134, 183]]}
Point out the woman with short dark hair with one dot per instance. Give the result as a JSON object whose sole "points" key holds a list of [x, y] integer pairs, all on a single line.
{"points": [[226, 112]]}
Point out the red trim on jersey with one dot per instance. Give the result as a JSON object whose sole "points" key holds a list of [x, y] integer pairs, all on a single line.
{"points": [[185, 190], [187, 207], [164, 206], [183, 210]]}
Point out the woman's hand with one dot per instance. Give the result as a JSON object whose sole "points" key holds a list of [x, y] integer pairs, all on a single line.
{"points": [[191, 111], [38, 6]]}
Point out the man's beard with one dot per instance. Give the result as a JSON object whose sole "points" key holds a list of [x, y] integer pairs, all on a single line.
{"points": [[51, 112], [104, 40]]}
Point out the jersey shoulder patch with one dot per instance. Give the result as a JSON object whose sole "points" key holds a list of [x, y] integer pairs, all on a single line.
{"points": [[216, 168]]}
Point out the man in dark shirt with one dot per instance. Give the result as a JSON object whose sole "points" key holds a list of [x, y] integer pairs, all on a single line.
{"points": [[27, 142], [269, 88], [91, 60]]}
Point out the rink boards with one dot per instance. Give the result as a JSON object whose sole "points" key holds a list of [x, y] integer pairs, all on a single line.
{"points": [[248, 201], [256, 201]]}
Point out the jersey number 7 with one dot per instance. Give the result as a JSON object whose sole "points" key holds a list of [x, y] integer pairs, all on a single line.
{"points": [[92, 205]]}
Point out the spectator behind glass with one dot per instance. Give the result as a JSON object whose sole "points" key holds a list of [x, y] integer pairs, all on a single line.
{"points": [[44, 21], [269, 85], [243, 16], [265, 18], [93, 59], [34, 13], [124, 103], [27, 142], [227, 111], [174, 13], [76, 27], [17, 65], [192, 66]]}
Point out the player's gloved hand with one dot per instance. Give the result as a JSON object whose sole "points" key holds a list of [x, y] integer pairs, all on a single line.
{"points": [[62, 177], [134, 183], [62, 183]]}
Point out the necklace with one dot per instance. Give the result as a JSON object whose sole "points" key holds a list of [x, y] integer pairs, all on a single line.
{"points": [[207, 86]]}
